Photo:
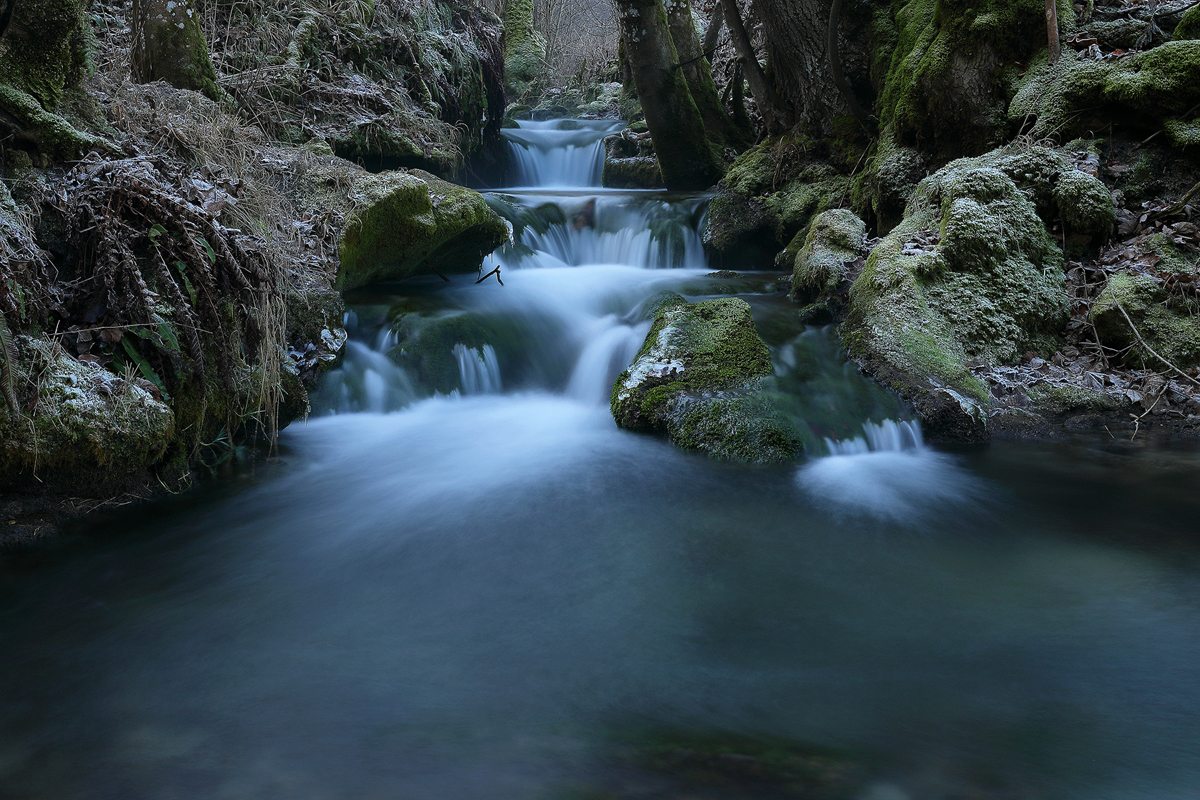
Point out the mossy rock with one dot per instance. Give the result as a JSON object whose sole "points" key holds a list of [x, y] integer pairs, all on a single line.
{"points": [[770, 194], [1171, 333], [835, 238], [637, 172], [1189, 26], [699, 378], [79, 422], [990, 290], [426, 346], [408, 223], [1140, 92]]}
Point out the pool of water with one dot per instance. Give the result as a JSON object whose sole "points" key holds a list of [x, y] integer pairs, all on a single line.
{"points": [[489, 591]]}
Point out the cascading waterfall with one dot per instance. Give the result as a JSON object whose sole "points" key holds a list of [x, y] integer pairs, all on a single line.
{"points": [[889, 436], [478, 369], [561, 153]]}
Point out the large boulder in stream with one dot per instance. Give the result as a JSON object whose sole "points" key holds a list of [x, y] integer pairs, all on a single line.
{"points": [[409, 222], [700, 378]]}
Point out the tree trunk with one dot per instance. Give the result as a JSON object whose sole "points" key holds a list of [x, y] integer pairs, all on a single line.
{"points": [[717, 124], [774, 115], [168, 45], [685, 155], [524, 47], [44, 51]]}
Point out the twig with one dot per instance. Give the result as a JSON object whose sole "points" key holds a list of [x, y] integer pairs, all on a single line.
{"points": [[1151, 350], [495, 272]]}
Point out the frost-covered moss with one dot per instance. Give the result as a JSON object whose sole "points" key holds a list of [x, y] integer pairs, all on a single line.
{"points": [[1138, 91], [991, 290], [49, 135], [79, 420], [405, 223], [1171, 333], [835, 238], [698, 378], [1189, 26]]}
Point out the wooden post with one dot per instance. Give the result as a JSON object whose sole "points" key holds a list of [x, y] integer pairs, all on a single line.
{"points": [[1052, 30]]}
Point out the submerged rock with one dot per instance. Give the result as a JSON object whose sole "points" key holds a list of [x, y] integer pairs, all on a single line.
{"points": [[411, 222], [701, 379]]}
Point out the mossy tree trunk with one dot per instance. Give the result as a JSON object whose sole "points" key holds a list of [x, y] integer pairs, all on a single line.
{"points": [[524, 47], [168, 45], [717, 124], [685, 155], [45, 50]]}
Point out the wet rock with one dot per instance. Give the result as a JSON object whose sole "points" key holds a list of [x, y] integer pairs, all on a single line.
{"points": [[701, 378], [410, 222]]}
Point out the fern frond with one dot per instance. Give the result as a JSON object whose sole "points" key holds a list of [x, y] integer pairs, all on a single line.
{"points": [[8, 365]]}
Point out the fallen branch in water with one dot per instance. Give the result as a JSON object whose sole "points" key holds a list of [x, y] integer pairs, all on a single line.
{"points": [[495, 272]]}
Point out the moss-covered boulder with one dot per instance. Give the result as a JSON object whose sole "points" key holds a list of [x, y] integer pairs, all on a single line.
{"points": [[834, 240], [1171, 330], [770, 195], [78, 422], [1189, 26], [409, 222], [636, 172], [971, 275], [1150, 90], [700, 379]]}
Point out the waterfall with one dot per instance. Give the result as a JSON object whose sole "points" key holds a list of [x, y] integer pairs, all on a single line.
{"points": [[888, 436], [560, 153], [478, 369]]}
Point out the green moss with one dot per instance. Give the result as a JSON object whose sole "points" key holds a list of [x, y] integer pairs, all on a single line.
{"points": [[991, 290], [50, 135], [773, 191], [1173, 334], [1161, 83], [631, 173], [835, 238], [1084, 203], [698, 378], [407, 223], [1061, 399], [84, 421], [47, 49], [426, 346], [1189, 25], [946, 80]]}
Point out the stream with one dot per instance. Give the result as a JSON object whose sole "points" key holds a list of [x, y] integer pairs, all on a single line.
{"points": [[461, 580]]}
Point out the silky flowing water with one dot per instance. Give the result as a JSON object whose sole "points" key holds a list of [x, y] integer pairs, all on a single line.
{"points": [[492, 592]]}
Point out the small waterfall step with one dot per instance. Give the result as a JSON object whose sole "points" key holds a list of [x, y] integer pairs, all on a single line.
{"points": [[559, 152]]}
